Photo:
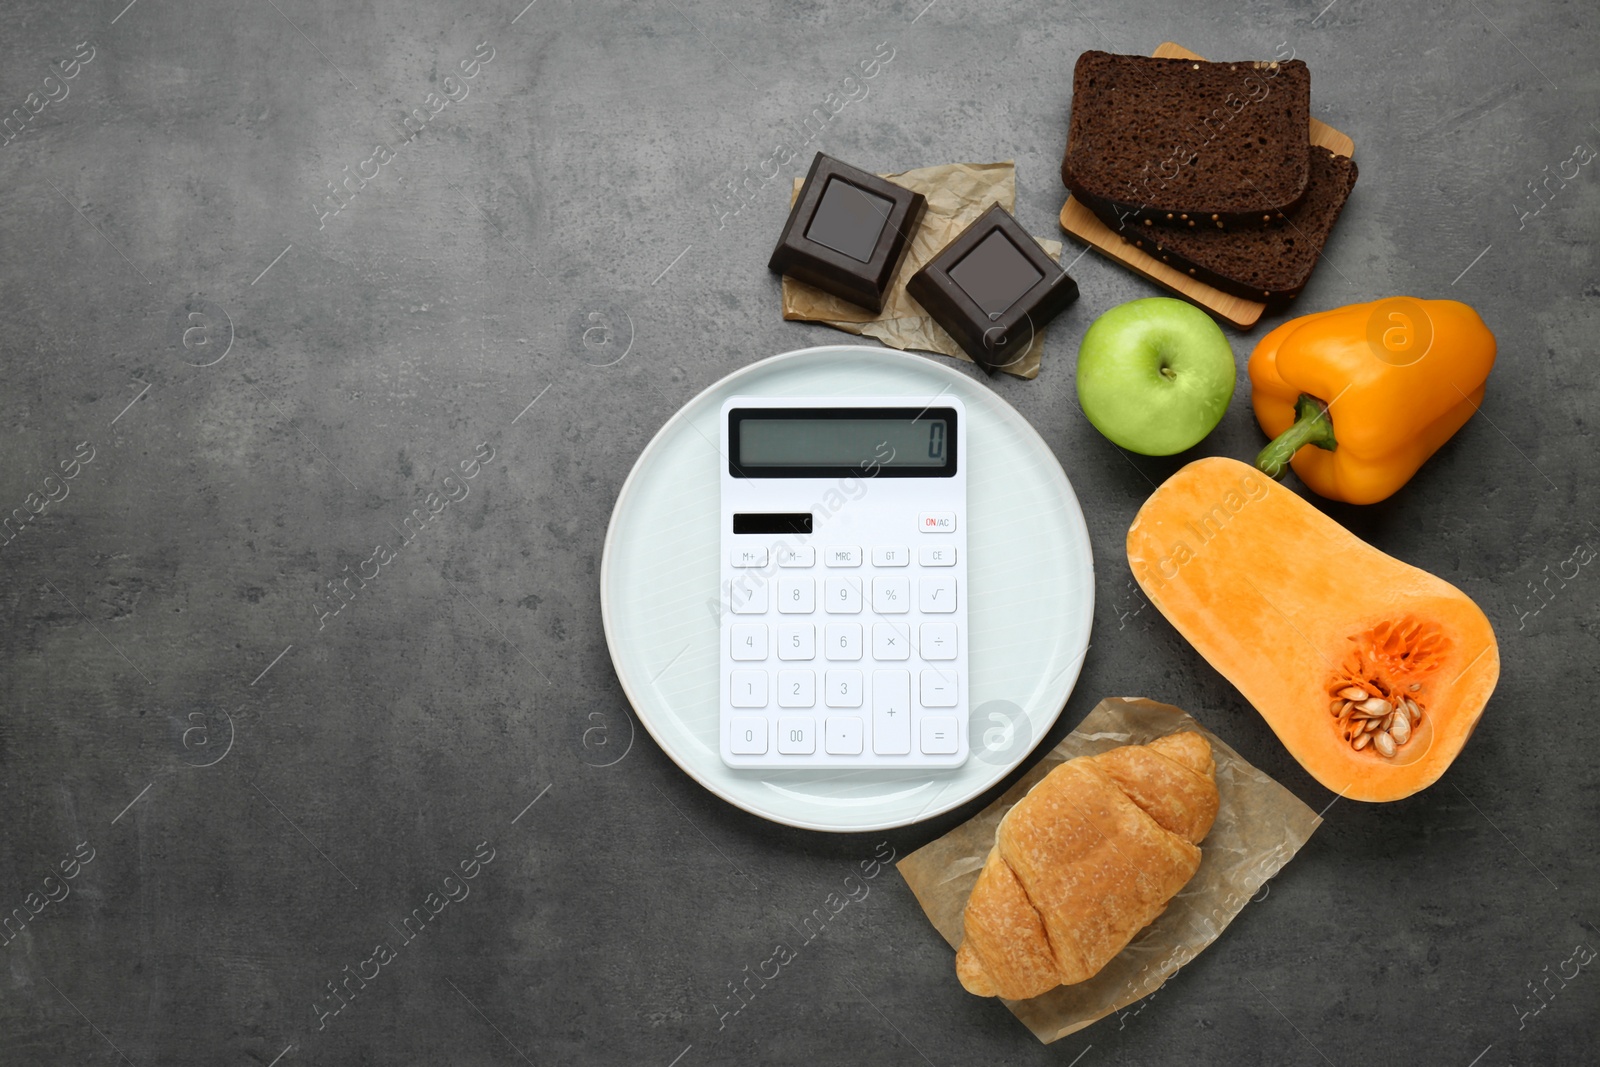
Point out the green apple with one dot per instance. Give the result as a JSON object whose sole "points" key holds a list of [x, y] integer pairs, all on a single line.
{"points": [[1155, 375]]}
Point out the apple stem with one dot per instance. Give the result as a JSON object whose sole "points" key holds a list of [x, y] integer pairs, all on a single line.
{"points": [[1312, 426]]}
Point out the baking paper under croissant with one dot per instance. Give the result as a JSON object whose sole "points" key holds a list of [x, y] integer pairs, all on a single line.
{"points": [[1086, 860]]}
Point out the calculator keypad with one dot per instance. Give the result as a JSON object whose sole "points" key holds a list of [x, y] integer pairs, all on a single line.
{"points": [[857, 643]]}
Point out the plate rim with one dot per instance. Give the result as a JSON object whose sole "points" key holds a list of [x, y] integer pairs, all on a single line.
{"points": [[1071, 677]]}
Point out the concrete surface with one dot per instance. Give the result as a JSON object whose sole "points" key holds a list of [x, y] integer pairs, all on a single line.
{"points": [[268, 386]]}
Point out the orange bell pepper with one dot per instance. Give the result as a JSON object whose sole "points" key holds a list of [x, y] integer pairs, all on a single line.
{"points": [[1374, 388]]}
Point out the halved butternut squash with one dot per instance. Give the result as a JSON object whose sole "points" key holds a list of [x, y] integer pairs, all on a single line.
{"points": [[1372, 672]]}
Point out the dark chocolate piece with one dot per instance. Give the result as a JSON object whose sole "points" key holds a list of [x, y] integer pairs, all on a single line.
{"points": [[995, 274], [991, 288], [848, 232], [849, 219]]}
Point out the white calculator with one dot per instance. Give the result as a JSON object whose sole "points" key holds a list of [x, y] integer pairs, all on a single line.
{"points": [[844, 582]]}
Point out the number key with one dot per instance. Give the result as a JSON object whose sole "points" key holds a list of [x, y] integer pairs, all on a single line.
{"points": [[748, 689], [843, 689], [747, 596], [749, 640], [797, 641], [747, 736], [797, 736], [842, 596], [843, 641], [797, 689], [797, 596]]}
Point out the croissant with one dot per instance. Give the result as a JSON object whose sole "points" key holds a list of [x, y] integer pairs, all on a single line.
{"points": [[1086, 860]]}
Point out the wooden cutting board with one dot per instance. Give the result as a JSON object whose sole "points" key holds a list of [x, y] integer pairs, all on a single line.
{"points": [[1086, 226]]}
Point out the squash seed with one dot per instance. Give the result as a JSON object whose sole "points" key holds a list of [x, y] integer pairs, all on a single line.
{"points": [[1350, 692], [1361, 741], [1383, 743], [1401, 730], [1376, 706]]}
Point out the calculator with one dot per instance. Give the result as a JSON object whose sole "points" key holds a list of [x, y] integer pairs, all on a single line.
{"points": [[844, 582]]}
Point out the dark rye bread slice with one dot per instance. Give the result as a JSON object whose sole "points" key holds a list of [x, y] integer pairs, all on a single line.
{"points": [[1270, 264], [1214, 142]]}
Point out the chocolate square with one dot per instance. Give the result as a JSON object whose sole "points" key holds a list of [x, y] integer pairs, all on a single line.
{"points": [[848, 232], [991, 288]]}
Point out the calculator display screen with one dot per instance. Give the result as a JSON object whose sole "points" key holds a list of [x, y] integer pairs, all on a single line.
{"points": [[821, 442]]}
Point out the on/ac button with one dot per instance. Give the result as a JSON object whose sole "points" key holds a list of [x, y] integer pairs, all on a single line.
{"points": [[937, 522]]}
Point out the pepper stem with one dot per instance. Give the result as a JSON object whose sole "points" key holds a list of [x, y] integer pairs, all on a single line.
{"points": [[1312, 426]]}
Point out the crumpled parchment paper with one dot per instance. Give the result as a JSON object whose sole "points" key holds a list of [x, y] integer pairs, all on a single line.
{"points": [[1260, 826], [957, 194]]}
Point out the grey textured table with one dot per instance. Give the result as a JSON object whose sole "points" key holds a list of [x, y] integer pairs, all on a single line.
{"points": [[526, 273]]}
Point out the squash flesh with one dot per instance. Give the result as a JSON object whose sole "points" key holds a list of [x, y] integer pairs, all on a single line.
{"points": [[1277, 597]]}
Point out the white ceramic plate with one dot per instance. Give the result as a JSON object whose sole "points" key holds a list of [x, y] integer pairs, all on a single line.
{"points": [[1030, 576]]}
